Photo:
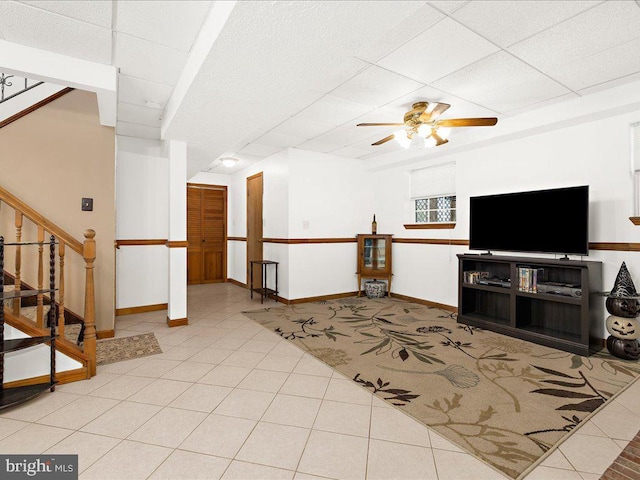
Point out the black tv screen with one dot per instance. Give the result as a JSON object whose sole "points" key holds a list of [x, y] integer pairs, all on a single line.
{"points": [[544, 221]]}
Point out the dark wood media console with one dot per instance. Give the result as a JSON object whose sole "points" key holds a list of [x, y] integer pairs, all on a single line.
{"points": [[568, 315]]}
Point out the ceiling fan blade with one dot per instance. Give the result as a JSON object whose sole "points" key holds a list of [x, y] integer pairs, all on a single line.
{"points": [[467, 122], [439, 140], [380, 125], [384, 140], [438, 110]]}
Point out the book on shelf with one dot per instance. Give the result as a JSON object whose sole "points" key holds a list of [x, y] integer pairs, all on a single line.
{"points": [[528, 279], [473, 276]]}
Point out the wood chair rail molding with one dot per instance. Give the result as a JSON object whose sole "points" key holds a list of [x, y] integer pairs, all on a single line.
{"points": [[429, 226], [177, 244], [294, 241], [140, 242], [237, 239]]}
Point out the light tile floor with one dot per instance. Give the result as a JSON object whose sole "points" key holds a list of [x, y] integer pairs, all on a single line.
{"points": [[229, 399]]}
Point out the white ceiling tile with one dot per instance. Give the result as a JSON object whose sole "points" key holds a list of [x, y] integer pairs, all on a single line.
{"points": [[333, 111], [350, 152], [611, 84], [502, 83], [601, 67], [137, 130], [136, 91], [601, 28], [260, 150], [297, 126], [506, 23], [97, 12], [174, 24], [37, 28], [347, 135], [281, 140], [322, 147], [375, 87], [330, 79], [442, 49], [147, 60], [128, 112], [388, 41], [449, 6]]}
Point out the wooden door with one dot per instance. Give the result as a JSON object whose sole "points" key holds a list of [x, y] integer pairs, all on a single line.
{"points": [[206, 234], [254, 227]]}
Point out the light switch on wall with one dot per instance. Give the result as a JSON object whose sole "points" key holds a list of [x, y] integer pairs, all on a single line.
{"points": [[305, 224], [87, 204]]}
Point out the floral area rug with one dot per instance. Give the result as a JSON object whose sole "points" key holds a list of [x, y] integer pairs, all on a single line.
{"points": [[505, 400], [112, 350]]}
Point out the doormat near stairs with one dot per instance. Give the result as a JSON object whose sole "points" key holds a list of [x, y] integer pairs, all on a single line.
{"points": [[506, 401], [111, 350]]}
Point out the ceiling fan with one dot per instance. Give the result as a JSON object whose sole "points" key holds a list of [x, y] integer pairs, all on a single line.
{"points": [[422, 122]]}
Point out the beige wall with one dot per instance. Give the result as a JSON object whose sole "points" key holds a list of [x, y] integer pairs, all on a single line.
{"points": [[50, 159]]}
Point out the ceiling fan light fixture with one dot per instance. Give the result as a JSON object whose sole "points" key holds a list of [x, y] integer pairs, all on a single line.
{"points": [[229, 162], [424, 130], [443, 132], [402, 137], [430, 142]]}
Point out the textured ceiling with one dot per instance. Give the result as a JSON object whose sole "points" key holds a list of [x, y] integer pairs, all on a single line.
{"points": [[304, 73]]}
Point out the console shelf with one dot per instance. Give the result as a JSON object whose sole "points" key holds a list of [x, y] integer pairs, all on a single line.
{"points": [[571, 320]]}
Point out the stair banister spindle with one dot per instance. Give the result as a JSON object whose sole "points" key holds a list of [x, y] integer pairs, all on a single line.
{"points": [[40, 308], [18, 272], [89, 255], [2, 310], [52, 309], [61, 290]]}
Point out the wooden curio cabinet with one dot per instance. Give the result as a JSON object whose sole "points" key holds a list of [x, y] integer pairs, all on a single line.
{"points": [[374, 259]]}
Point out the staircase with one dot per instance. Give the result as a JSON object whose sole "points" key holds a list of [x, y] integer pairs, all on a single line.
{"points": [[25, 270]]}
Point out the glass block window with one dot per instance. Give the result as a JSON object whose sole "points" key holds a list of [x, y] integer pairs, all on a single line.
{"points": [[435, 209]]}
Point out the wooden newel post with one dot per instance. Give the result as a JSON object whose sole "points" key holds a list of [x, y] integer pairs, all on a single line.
{"points": [[89, 255]]}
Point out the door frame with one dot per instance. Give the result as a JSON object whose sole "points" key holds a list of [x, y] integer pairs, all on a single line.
{"points": [[224, 188], [259, 240]]}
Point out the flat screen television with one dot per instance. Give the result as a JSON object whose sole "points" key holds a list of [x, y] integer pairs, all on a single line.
{"points": [[542, 221]]}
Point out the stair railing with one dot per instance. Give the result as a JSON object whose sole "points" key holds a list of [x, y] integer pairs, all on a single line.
{"points": [[86, 249]]}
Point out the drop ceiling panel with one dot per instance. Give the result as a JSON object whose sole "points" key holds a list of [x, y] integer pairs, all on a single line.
{"points": [[328, 80], [297, 126], [350, 152], [128, 112], [136, 91], [137, 130], [596, 30], [147, 60], [48, 31], [616, 62], [375, 86], [260, 150], [174, 24], [281, 140], [333, 111], [347, 135], [97, 12], [502, 83], [448, 6], [439, 51], [321, 147], [506, 23], [416, 23]]}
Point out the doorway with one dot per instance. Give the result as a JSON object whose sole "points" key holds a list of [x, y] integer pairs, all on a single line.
{"points": [[206, 233], [254, 226]]}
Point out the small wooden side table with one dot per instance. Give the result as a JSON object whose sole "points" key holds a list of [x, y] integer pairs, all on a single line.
{"points": [[263, 290]]}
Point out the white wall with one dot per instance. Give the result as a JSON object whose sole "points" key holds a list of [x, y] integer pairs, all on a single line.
{"points": [[142, 213], [595, 153], [306, 195]]}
